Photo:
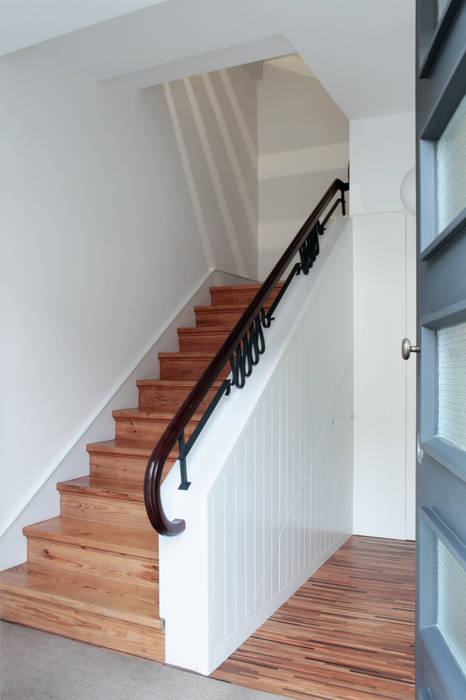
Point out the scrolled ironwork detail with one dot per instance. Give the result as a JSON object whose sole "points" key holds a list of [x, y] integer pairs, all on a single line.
{"points": [[309, 250]]}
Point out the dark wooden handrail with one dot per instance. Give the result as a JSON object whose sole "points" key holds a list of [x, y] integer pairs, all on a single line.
{"points": [[243, 345]]}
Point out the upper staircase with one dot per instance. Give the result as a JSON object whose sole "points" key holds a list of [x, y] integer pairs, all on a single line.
{"points": [[92, 573]]}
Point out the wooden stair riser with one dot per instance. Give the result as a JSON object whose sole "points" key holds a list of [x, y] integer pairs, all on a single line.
{"points": [[238, 296], [143, 428], [104, 510], [194, 340], [166, 398], [181, 368], [80, 625], [123, 467], [84, 560]]}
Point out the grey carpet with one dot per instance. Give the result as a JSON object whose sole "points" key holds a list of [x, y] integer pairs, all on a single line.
{"points": [[39, 666]]}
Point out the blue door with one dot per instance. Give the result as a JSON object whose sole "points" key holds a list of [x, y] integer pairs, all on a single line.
{"points": [[441, 453]]}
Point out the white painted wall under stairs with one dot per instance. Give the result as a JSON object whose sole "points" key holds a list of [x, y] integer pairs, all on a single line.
{"points": [[271, 494]]}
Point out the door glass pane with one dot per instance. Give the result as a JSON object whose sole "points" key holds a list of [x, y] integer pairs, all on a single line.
{"points": [[441, 5], [452, 384], [451, 603], [451, 168]]}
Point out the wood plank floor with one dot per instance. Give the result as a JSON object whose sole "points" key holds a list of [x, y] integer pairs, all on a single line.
{"points": [[346, 634]]}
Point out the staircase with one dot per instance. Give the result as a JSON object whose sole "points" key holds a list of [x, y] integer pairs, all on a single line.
{"points": [[92, 572]]}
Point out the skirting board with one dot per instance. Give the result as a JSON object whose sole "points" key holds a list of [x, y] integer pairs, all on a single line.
{"points": [[42, 499]]}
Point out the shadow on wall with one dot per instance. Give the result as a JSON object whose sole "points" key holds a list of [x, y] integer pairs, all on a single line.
{"points": [[214, 117]]}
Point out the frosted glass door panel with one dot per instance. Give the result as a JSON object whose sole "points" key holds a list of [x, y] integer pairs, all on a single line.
{"points": [[451, 602], [441, 5], [451, 168], [452, 384]]}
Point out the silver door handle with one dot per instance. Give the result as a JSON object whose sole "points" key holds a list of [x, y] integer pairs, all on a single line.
{"points": [[407, 348]]}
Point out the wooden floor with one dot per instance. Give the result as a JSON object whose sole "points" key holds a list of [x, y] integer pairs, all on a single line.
{"points": [[347, 633]]}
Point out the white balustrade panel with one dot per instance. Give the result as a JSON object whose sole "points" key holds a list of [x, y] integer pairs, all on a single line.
{"points": [[271, 495]]}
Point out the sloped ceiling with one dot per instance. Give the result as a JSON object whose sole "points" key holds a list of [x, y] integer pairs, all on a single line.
{"points": [[293, 63], [362, 51], [27, 22]]}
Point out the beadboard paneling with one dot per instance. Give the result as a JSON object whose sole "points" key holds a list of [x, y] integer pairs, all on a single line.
{"points": [[283, 500]]}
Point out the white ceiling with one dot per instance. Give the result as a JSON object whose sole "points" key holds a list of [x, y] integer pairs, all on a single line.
{"points": [[362, 51], [26, 22]]}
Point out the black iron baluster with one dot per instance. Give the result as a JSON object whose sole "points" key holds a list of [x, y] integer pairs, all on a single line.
{"points": [[185, 484], [266, 320], [234, 368], [343, 202], [240, 374], [253, 348], [248, 363], [303, 254], [295, 271], [259, 335]]}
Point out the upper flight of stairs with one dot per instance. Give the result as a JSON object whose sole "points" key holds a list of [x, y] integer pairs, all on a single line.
{"points": [[92, 573]]}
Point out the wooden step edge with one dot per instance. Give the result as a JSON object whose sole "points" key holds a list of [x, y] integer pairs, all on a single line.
{"points": [[246, 287], [203, 330], [20, 580], [101, 486], [171, 383], [150, 415], [122, 448], [139, 449], [40, 531], [203, 355], [220, 308]]}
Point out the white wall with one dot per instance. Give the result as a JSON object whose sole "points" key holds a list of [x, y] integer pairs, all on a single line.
{"points": [[303, 146], [382, 150], [271, 493], [100, 246]]}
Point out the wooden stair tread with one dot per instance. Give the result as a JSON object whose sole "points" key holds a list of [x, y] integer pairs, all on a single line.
{"points": [[203, 355], [246, 287], [102, 486], [227, 308], [175, 383], [140, 448], [218, 308], [91, 534], [150, 414], [204, 330], [122, 601]]}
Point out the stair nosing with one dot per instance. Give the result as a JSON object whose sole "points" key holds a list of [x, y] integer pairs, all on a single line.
{"points": [[203, 330], [123, 447], [138, 414], [108, 489], [202, 355], [252, 285], [95, 545], [176, 383]]}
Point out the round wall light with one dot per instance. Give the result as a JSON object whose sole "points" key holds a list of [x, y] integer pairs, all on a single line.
{"points": [[408, 191]]}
